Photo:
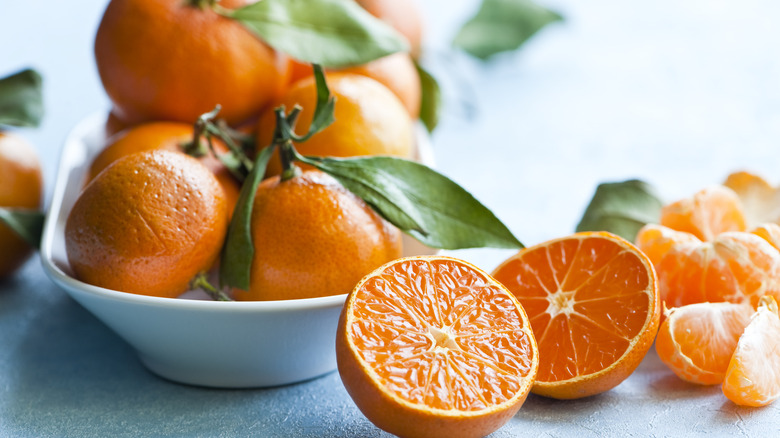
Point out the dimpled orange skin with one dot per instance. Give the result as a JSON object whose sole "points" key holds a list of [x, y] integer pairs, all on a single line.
{"points": [[22, 187], [168, 60], [168, 136], [369, 120], [313, 238], [396, 72], [147, 224]]}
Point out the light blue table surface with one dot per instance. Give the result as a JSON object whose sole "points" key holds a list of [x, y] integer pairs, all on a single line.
{"points": [[678, 93]]}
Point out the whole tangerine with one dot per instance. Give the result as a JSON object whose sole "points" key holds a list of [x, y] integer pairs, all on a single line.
{"points": [[369, 120], [147, 224], [403, 15], [175, 60], [22, 187], [313, 238]]}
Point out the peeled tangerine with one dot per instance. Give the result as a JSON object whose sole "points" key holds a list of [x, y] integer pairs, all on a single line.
{"points": [[753, 375]]}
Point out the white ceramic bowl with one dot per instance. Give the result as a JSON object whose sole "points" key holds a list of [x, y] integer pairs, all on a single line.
{"points": [[196, 341]]}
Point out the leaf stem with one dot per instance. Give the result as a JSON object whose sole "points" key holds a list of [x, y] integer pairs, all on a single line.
{"points": [[201, 282]]}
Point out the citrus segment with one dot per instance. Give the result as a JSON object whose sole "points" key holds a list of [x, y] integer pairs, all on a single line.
{"points": [[697, 341], [769, 232], [706, 214], [432, 346], [735, 267], [657, 240], [760, 201], [593, 304], [753, 375]]}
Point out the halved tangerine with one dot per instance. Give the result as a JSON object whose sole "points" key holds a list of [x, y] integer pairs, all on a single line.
{"points": [[593, 303], [432, 346]]}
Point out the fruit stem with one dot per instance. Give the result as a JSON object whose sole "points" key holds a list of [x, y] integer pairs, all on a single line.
{"points": [[282, 138], [202, 4], [201, 282]]}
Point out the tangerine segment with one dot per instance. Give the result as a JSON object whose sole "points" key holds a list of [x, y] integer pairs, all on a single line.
{"points": [[753, 375], [696, 341], [760, 201], [657, 240], [593, 304], [433, 346], [735, 267], [708, 213], [770, 232]]}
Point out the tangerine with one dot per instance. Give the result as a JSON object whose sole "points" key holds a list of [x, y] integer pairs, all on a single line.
{"points": [[22, 187], [592, 299], [175, 60], [760, 200], [313, 238], [404, 16], [147, 224], [706, 214], [432, 346], [369, 120]]}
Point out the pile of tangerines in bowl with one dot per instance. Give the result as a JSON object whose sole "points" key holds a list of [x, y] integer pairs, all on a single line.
{"points": [[236, 164]]}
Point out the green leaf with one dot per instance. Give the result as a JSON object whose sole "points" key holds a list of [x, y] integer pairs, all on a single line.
{"points": [[431, 103], [324, 112], [502, 25], [621, 208], [420, 201], [333, 33], [28, 224], [21, 99], [236, 261]]}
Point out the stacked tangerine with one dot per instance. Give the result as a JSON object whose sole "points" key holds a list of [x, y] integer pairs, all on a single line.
{"points": [[151, 217], [718, 265]]}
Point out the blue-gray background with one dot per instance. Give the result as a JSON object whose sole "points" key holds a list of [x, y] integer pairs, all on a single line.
{"points": [[678, 93]]}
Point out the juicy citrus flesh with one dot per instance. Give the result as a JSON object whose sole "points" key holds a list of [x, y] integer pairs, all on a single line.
{"points": [[593, 304], [753, 374], [147, 224], [709, 212], [734, 266], [21, 187], [369, 120], [433, 346], [314, 238], [760, 200], [697, 341], [770, 232], [657, 240]]}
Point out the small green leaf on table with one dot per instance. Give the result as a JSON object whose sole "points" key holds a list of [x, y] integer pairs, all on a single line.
{"points": [[621, 208], [28, 224], [502, 25], [420, 201], [333, 33], [21, 99]]}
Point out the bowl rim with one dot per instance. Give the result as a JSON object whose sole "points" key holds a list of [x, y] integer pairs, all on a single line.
{"points": [[67, 162]]}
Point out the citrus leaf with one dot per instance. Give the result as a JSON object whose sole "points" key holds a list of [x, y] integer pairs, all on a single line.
{"points": [[28, 224], [324, 112], [420, 201], [238, 251], [21, 99], [430, 105], [621, 208], [333, 33], [502, 25]]}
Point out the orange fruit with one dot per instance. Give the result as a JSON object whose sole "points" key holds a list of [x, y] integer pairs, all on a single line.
{"points": [[370, 120], [696, 341], [173, 60], [22, 187], [314, 238], [592, 300], [403, 15], [432, 346], [753, 374], [735, 266], [706, 214], [760, 200], [397, 72], [147, 224], [770, 232], [169, 136], [657, 240]]}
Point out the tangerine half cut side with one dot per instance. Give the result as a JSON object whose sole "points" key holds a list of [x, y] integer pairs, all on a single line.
{"points": [[432, 346], [592, 300]]}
